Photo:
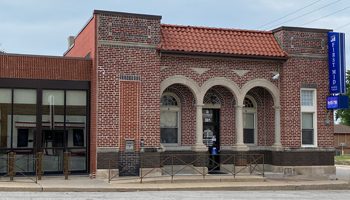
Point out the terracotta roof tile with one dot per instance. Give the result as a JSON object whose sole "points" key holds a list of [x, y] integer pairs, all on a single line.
{"points": [[219, 40]]}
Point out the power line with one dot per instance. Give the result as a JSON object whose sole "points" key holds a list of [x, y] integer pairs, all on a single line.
{"points": [[343, 26], [326, 15], [308, 13], [289, 14]]}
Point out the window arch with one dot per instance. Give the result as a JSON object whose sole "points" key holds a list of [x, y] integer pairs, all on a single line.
{"points": [[250, 121], [168, 100], [170, 120], [248, 103], [212, 100]]}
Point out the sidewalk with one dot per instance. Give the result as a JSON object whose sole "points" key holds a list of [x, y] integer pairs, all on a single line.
{"points": [[85, 184]]}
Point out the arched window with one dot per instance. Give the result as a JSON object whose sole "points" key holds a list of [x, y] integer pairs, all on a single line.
{"points": [[168, 100], [249, 121], [211, 98], [170, 119]]}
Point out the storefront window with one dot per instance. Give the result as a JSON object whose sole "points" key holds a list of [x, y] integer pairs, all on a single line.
{"points": [[76, 128], [51, 121], [24, 128], [24, 118], [5, 118]]}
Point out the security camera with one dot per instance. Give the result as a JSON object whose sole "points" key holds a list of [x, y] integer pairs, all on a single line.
{"points": [[276, 77]]}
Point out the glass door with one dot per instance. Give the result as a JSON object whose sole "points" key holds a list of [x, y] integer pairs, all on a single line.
{"points": [[53, 134], [64, 129], [211, 137]]}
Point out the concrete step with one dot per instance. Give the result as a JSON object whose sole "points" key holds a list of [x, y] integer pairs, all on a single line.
{"points": [[192, 179]]}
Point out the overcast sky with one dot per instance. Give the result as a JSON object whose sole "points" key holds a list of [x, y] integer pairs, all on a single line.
{"points": [[42, 26]]}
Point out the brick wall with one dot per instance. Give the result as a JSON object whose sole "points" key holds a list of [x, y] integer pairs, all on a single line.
{"points": [[307, 66], [44, 67], [129, 117], [218, 67], [265, 116], [127, 45]]}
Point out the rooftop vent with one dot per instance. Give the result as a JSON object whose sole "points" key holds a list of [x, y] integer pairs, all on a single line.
{"points": [[71, 41]]}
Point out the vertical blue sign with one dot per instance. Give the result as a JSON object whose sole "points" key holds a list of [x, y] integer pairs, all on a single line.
{"points": [[336, 62]]}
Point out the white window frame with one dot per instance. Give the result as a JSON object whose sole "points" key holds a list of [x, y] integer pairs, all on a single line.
{"points": [[254, 111], [173, 109], [309, 109]]}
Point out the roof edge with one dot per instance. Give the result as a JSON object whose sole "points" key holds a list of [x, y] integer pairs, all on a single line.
{"points": [[77, 35], [215, 28], [127, 14], [300, 29], [45, 56], [192, 53]]}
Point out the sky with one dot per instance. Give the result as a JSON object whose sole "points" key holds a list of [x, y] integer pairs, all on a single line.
{"points": [[43, 26]]}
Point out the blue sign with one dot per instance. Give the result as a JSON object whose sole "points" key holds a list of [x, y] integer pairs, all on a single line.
{"points": [[336, 62], [337, 102]]}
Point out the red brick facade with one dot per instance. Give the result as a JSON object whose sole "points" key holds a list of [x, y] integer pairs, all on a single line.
{"points": [[129, 68], [306, 67], [44, 67]]}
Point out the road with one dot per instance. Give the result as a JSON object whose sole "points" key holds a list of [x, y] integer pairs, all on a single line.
{"points": [[182, 195]]}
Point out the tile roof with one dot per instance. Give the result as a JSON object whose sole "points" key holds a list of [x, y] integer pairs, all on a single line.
{"points": [[220, 41], [339, 128]]}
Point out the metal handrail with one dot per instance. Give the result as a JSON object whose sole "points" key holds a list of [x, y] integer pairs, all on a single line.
{"points": [[13, 168], [250, 162]]}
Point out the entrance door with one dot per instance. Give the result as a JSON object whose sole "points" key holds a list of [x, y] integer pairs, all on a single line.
{"points": [[64, 130], [211, 137], [53, 134]]}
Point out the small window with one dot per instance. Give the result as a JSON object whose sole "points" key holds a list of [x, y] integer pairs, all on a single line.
{"points": [[308, 117], [308, 128], [249, 121], [307, 98], [169, 120], [249, 128]]}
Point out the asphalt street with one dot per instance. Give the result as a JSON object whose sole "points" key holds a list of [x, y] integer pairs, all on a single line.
{"points": [[183, 195]]}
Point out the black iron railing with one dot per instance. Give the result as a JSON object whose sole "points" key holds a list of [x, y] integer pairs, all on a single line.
{"points": [[163, 165], [27, 165]]}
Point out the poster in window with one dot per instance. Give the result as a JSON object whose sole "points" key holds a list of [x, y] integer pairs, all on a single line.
{"points": [[78, 137]]}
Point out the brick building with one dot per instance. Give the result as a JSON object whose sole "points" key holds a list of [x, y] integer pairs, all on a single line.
{"points": [[137, 85]]}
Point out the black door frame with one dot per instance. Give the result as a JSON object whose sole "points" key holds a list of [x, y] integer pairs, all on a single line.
{"points": [[216, 129]]}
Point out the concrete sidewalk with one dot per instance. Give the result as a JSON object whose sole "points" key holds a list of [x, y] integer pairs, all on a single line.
{"points": [[216, 182]]}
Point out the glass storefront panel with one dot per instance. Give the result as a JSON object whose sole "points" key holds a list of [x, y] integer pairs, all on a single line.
{"points": [[3, 162], [78, 160], [25, 162], [24, 128], [76, 128], [5, 118], [62, 115], [53, 129]]}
